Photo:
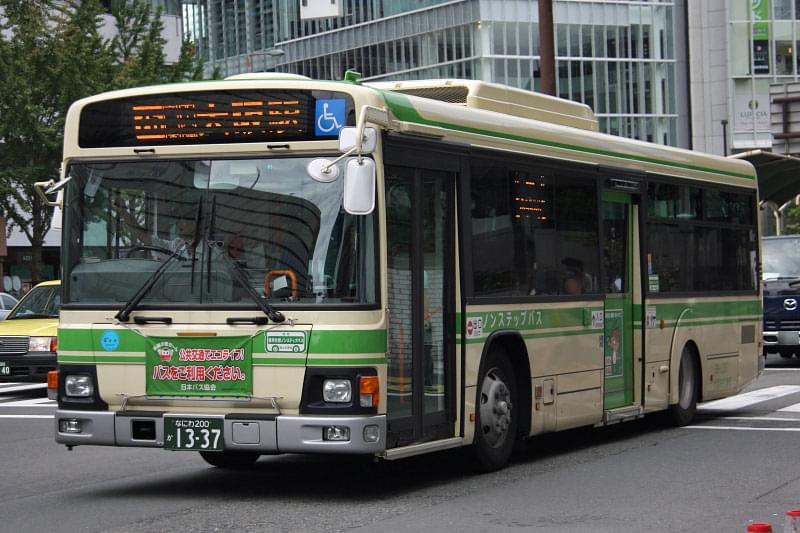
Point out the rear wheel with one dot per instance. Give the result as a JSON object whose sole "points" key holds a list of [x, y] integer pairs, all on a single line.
{"points": [[230, 459], [683, 412], [496, 419]]}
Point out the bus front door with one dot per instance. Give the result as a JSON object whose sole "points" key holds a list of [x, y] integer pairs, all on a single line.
{"points": [[617, 242], [419, 216]]}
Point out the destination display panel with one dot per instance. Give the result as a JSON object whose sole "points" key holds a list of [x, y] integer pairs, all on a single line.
{"points": [[215, 117]]}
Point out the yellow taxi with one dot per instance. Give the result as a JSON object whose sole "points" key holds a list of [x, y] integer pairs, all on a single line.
{"points": [[28, 336]]}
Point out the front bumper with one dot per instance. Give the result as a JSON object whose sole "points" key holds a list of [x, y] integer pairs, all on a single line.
{"points": [[32, 366], [773, 340], [267, 434]]}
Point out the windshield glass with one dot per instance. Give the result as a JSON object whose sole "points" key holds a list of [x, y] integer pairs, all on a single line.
{"points": [[286, 232], [781, 258], [41, 302]]}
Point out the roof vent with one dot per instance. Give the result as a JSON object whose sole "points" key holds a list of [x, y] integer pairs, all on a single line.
{"points": [[267, 76], [498, 98]]}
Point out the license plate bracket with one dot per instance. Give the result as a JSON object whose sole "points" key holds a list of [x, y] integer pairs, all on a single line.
{"points": [[194, 433]]}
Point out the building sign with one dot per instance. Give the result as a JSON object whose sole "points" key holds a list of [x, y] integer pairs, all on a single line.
{"points": [[316, 9], [751, 113], [199, 366], [760, 10]]}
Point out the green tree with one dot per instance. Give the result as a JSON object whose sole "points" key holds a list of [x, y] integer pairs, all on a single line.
{"points": [[51, 54], [791, 218]]}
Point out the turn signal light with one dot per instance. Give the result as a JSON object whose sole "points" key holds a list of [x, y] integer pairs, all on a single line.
{"points": [[369, 391], [52, 379], [54, 344], [52, 385]]}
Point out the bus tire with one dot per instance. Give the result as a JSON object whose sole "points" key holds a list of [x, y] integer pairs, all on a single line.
{"points": [[496, 419], [684, 410], [230, 459]]}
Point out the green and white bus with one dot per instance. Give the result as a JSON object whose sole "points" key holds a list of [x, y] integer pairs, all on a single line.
{"points": [[272, 264]]}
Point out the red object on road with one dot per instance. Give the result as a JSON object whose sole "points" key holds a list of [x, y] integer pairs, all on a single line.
{"points": [[759, 527], [792, 522]]}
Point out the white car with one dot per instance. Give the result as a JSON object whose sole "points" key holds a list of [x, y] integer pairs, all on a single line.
{"points": [[7, 303]]}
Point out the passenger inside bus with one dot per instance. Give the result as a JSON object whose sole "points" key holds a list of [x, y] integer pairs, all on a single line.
{"points": [[577, 280]]}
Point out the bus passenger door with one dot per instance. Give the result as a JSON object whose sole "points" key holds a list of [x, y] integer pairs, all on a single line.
{"points": [[419, 217], [617, 244]]}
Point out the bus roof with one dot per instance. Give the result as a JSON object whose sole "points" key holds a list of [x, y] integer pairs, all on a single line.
{"points": [[470, 112]]}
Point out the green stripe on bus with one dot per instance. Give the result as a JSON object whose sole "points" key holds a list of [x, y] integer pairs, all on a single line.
{"points": [[667, 311], [344, 342], [321, 341], [402, 108], [99, 359], [547, 335], [322, 361], [279, 361]]}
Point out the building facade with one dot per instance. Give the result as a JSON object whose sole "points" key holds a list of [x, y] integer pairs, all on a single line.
{"points": [[738, 49], [620, 57]]}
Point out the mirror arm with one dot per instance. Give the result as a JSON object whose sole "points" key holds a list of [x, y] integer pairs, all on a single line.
{"points": [[327, 168], [40, 187], [368, 113]]}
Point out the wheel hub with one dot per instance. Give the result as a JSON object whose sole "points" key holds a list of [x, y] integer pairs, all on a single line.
{"points": [[495, 409]]}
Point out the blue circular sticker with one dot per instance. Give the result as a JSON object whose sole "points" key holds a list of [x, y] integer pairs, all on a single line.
{"points": [[110, 340]]}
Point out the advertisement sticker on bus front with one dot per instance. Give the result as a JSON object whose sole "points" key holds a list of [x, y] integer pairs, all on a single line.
{"points": [[199, 366], [285, 341]]}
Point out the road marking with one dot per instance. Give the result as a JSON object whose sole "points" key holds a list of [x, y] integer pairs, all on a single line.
{"points": [[27, 416], [749, 398], [736, 428], [763, 418], [33, 402], [795, 408], [15, 387]]}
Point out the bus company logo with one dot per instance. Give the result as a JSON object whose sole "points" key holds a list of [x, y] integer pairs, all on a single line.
{"points": [[790, 304], [165, 350]]}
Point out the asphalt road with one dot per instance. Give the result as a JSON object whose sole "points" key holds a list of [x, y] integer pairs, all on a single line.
{"points": [[737, 463]]}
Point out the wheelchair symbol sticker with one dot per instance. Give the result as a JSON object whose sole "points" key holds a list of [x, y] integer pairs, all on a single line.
{"points": [[329, 117]]}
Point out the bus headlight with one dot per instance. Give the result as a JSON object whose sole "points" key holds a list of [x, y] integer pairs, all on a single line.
{"points": [[337, 390], [78, 386]]}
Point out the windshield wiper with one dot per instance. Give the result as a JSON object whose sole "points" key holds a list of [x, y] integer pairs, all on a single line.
{"points": [[32, 315], [236, 270], [196, 237], [125, 313]]}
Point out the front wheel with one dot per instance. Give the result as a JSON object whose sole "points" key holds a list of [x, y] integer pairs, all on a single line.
{"points": [[683, 412], [230, 459], [496, 421]]}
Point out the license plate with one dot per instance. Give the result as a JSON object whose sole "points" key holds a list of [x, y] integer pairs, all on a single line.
{"points": [[4, 370], [194, 433]]}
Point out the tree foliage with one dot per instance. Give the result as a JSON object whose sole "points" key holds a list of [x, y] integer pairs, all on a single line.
{"points": [[51, 54]]}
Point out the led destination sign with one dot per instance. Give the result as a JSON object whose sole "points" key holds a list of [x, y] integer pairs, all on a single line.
{"points": [[214, 117]]}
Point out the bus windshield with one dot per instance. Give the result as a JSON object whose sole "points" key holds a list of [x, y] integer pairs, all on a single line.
{"points": [[781, 258], [286, 232]]}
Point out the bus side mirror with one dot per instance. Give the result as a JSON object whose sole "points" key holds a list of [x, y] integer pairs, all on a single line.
{"points": [[348, 140], [359, 186], [57, 221]]}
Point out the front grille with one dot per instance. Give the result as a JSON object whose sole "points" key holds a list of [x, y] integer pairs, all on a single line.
{"points": [[13, 345]]}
